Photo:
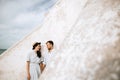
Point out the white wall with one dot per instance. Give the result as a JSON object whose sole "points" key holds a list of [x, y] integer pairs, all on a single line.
{"points": [[92, 49], [86, 34]]}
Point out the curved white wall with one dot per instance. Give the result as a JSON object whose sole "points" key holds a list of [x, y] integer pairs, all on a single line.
{"points": [[92, 49], [58, 23]]}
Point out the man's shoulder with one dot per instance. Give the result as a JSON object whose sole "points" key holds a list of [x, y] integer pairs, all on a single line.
{"points": [[53, 51]]}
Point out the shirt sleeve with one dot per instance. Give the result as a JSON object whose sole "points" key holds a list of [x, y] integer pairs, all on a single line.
{"points": [[28, 57], [44, 60]]}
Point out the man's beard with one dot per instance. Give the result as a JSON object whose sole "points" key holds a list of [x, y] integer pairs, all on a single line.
{"points": [[49, 49]]}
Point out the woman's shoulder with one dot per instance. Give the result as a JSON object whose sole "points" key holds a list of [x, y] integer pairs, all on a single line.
{"points": [[30, 52]]}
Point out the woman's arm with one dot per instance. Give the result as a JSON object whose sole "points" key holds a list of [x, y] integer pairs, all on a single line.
{"points": [[28, 69]]}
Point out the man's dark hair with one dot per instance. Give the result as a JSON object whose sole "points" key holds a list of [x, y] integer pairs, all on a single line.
{"points": [[51, 42]]}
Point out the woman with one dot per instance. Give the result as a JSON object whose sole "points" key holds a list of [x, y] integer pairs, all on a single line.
{"points": [[33, 62]]}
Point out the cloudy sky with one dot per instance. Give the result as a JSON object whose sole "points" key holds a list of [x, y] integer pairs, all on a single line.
{"points": [[19, 17]]}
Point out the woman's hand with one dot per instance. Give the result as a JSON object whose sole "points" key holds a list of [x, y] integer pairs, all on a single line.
{"points": [[28, 76]]}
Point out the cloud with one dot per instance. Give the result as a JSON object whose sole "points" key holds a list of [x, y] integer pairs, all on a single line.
{"points": [[18, 14]]}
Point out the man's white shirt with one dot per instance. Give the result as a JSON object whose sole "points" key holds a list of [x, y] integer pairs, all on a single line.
{"points": [[48, 56]]}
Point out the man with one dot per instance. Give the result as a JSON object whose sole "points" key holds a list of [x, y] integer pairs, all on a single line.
{"points": [[49, 54]]}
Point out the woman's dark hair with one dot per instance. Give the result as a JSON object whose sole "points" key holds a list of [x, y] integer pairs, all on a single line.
{"points": [[38, 52]]}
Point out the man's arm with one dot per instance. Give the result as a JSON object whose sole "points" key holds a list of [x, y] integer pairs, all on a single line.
{"points": [[42, 66]]}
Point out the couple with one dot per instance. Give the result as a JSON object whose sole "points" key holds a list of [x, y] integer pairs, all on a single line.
{"points": [[34, 63]]}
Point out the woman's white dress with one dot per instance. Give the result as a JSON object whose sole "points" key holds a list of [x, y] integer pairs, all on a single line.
{"points": [[34, 65]]}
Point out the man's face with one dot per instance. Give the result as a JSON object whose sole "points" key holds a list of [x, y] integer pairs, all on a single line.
{"points": [[49, 46]]}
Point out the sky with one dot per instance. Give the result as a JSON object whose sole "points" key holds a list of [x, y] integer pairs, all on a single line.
{"points": [[20, 17]]}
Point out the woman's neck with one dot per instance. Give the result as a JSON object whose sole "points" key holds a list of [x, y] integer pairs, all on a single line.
{"points": [[35, 51]]}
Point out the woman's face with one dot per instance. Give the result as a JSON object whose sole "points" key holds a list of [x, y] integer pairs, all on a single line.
{"points": [[38, 47]]}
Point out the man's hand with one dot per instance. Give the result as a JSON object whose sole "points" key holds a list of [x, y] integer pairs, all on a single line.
{"points": [[42, 66]]}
